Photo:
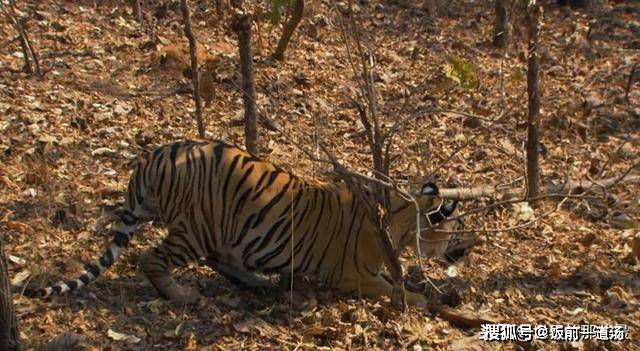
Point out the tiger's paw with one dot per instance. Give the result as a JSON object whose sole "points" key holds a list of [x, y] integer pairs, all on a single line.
{"points": [[187, 295]]}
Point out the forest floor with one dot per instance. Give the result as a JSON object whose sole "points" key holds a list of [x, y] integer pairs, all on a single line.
{"points": [[69, 139]]}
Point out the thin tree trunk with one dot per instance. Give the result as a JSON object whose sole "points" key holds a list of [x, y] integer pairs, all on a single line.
{"points": [[533, 91], [381, 211], [9, 340], [242, 26], [137, 9], [195, 75], [289, 28], [501, 27]]}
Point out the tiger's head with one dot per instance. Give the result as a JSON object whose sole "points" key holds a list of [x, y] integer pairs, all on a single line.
{"points": [[433, 212]]}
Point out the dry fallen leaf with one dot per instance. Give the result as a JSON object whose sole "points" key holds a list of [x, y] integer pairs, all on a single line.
{"points": [[252, 325], [618, 298], [464, 318], [20, 277], [68, 342], [173, 333], [471, 343], [113, 335], [101, 151], [192, 343]]}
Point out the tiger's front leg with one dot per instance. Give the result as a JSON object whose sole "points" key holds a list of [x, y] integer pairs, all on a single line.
{"points": [[376, 286], [158, 263]]}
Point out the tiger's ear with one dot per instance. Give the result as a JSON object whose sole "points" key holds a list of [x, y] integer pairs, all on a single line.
{"points": [[430, 189]]}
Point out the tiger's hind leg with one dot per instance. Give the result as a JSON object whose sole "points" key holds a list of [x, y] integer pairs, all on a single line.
{"points": [[239, 276], [158, 263]]}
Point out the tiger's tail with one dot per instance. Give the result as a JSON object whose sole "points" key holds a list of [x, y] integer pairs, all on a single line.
{"points": [[123, 229]]}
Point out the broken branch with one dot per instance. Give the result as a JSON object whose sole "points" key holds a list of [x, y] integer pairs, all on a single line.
{"points": [[462, 194]]}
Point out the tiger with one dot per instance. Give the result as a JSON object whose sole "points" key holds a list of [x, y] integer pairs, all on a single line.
{"points": [[249, 219]]}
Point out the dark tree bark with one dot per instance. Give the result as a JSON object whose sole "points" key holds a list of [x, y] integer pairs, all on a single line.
{"points": [[501, 27], [137, 9], [9, 340], [630, 81], [533, 92], [195, 75], [242, 26], [430, 7], [289, 28]]}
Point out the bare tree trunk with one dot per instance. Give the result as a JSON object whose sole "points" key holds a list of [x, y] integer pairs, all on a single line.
{"points": [[242, 26], [137, 9], [9, 340], [533, 91], [289, 28], [501, 27], [195, 75]]}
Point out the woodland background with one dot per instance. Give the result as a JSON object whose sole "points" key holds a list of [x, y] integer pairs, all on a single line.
{"points": [[112, 86]]}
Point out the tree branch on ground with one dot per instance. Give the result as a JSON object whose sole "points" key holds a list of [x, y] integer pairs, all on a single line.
{"points": [[465, 194], [567, 190], [195, 75]]}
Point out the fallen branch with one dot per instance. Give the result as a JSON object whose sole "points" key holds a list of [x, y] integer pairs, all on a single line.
{"points": [[462, 194], [565, 191], [564, 197]]}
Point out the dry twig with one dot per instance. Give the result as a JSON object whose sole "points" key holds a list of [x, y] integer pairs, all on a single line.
{"points": [[27, 48], [630, 81]]}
